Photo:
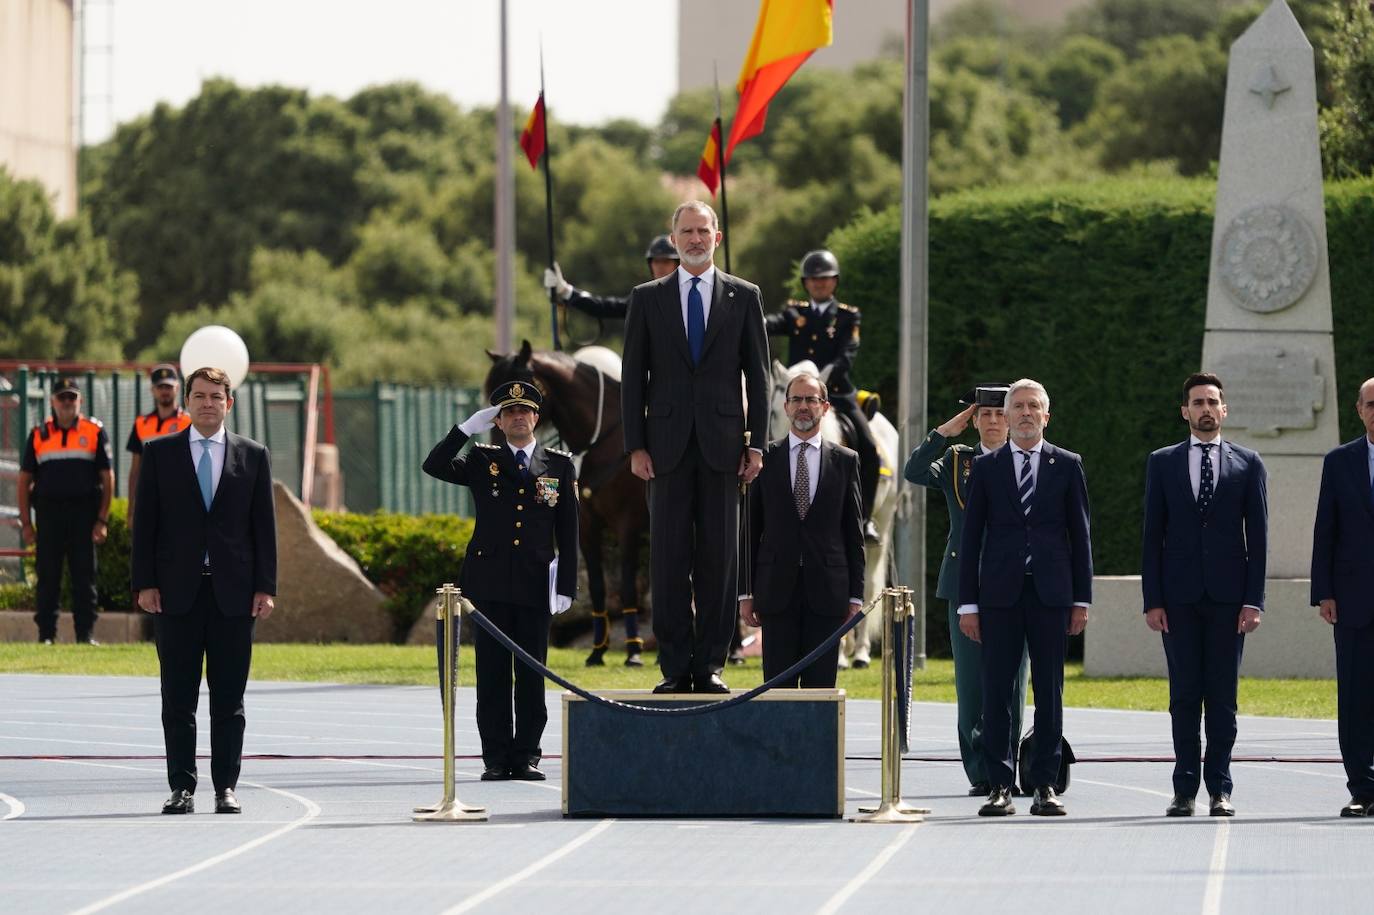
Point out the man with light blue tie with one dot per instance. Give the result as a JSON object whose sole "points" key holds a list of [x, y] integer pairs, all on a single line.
{"points": [[693, 339], [205, 564]]}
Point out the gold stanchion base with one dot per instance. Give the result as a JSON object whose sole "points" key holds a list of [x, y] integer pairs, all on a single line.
{"points": [[454, 812], [890, 813]]}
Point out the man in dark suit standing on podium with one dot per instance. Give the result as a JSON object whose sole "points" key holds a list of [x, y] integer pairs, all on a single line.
{"points": [[1025, 581], [1343, 587], [1202, 575], [205, 563], [807, 541], [689, 340]]}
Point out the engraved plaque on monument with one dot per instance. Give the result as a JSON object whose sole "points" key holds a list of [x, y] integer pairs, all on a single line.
{"points": [[1268, 332]]}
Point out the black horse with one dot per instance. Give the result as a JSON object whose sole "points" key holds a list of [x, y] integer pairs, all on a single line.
{"points": [[583, 403]]}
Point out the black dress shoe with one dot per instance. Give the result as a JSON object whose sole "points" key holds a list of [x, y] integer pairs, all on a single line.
{"points": [[674, 685], [225, 802], [1358, 807], [998, 804], [1046, 803], [524, 772], [181, 801], [979, 789], [871, 533], [1180, 806], [1222, 806], [709, 684], [495, 774]]}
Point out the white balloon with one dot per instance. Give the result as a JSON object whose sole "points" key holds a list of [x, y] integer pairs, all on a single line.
{"points": [[216, 346]]}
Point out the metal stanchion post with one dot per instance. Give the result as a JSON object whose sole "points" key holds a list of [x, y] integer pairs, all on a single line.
{"points": [[450, 809], [896, 610]]}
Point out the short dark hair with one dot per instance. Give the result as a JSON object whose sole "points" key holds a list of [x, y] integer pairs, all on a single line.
{"points": [[825, 392], [1202, 378], [212, 375]]}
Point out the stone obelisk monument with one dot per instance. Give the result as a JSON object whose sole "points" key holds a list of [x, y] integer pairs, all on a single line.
{"points": [[1268, 335], [1268, 330]]}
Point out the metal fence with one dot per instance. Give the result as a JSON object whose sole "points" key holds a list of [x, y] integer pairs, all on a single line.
{"points": [[383, 434]]}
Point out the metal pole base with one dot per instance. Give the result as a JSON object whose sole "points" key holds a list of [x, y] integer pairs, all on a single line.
{"points": [[435, 808], [452, 812], [890, 813]]}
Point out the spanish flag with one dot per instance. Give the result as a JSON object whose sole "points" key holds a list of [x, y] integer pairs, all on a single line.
{"points": [[784, 37], [534, 136], [708, 170]]}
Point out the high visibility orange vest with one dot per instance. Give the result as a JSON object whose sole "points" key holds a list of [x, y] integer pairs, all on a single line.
{"points": [[151, 426], [53, 443]]}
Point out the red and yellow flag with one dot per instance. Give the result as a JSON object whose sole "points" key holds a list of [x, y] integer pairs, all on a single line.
{"points": [[784, 37], [708, 170], [532, 137]]}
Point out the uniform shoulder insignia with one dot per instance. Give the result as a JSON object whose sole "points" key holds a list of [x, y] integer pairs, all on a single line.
{"points": [[95, 422], [559, 451], [486, 445], [795, 303], [844, 307]]}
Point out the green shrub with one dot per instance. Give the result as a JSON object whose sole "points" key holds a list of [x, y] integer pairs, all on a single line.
{"points": [[17, 595], [406, 556], [1097, 290], [113, 588]]}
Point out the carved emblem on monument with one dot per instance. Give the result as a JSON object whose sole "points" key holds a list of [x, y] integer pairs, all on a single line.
{"points": [[1268, 258], [1270, 388]]}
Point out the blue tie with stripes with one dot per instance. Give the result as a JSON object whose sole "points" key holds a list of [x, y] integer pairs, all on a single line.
{"points": [[1026, 487]]}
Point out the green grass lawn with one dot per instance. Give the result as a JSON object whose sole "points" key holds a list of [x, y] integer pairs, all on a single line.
{"points": [[408, 664]]}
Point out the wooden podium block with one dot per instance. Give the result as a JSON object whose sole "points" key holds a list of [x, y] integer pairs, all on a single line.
{"points": [[779, 755]]}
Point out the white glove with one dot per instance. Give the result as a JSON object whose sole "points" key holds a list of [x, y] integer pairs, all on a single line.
{"points": [[561, 603], [480, 421], [553, 281]]}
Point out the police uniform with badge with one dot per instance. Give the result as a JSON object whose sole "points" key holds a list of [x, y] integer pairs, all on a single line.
{"points": [[940, 464], [166, 418], [827, 333], [525, 499], [65, 476]]}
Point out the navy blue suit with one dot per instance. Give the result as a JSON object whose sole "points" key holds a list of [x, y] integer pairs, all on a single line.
{"points": [[1202, 568], [1025, 605], [1342, 570]]}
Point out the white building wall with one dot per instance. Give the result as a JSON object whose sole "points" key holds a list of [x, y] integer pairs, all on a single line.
{"points": [[37, 96]]}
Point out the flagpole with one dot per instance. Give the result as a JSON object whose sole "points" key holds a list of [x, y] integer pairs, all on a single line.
{"points": [[720, 159], [912, 361], [505, 203], [548, 200]]}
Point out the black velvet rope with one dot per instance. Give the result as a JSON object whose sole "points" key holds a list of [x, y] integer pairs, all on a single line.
{"points": [[702, 709]]}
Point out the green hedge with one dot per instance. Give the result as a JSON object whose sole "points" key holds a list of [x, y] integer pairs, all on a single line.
{"points": [[403, 555], [1097, 290]]}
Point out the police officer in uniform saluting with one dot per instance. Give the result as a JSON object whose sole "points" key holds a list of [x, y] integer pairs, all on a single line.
{"points": [[826, 331], [661, 257], [526, 505], [166, 418], [65, 476]]}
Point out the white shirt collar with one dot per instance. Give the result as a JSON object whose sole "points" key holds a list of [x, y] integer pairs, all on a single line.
{"points": [[793, 441], [822, 307], [218, 438], [528, 449], [685, 279], [1034, 449], [1194, 440]]}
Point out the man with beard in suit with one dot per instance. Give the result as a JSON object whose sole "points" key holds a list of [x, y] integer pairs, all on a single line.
{"points": [[807, 541], [689, 340]]}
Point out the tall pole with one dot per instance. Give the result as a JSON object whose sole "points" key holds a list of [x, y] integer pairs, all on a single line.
{"points": [[505, 202], [548, 200], [720, 162], [912, 366]]}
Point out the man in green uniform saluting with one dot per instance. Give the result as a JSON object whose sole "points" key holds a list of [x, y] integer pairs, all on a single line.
{"points": [[937, 464]]}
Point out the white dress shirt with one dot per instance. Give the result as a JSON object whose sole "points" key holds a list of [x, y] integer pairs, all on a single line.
{"points": [[1369, 444], [528, 449], [1195, 462], [822, 308], [813, 460], [1018, 460], [217, 448], [684, 286]]}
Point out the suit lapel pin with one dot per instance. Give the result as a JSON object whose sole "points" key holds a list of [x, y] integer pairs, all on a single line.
{"points": [[1051, 460]]}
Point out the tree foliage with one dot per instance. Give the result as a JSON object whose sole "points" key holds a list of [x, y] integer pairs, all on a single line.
{"points": [[1347, 126], [61, 294]]}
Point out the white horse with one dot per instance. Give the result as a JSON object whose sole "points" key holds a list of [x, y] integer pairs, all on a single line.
{"points": [[857, 644]]}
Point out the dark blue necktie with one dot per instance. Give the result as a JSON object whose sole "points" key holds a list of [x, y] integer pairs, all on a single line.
{"points": [[520, 464], [696, 320], [1206, 486]]}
